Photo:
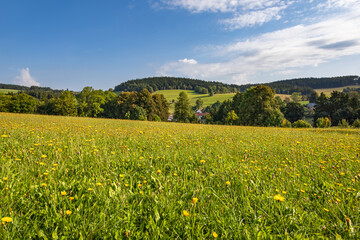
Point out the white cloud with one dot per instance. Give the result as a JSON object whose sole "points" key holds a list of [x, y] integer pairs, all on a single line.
{"points": [[25, 79], [245, 12], [331, 4], [277, 52], [253, 18], [197, 6], [189, 61]]}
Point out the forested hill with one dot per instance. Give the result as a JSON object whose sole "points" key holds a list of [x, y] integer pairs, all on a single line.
{"points": [[154, 84], [303, 85], [319, 83]]}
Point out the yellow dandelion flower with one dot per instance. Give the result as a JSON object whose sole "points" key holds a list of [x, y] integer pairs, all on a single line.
{"points": [[215, 235], [90, 189], [68, 212], [44, 184], [99, 184], [43, 156], [45, 174], [71, 198], [63, 193], [228, 183], [158, 171], [185, 213], [7, 219], [202, 161], [121, 175], [5, 178], [195, 200], [279, 198], [326, 210]]}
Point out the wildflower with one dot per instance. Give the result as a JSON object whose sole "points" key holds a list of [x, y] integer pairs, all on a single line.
{"points": [[121, 175], [279, 198], [63, 193], [215, 235], [326, 210], [158, 171], [43, 156], [6, 219], [44, 184], [99, 184], [4, 136], [228, 183], [68, 212], [71, 198], [90, 189], [5, 178], [202, 161], [45, 174], [194, 200], [185, 213], [141, 192]]}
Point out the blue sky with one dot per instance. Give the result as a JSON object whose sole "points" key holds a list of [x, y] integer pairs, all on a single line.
{"points": [[70, 44]]}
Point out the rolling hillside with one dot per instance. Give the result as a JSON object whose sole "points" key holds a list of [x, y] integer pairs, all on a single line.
{"points": [[328, 91]]}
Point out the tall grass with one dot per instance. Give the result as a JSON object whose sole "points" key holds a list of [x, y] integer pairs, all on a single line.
{"points": [[82, 178]]}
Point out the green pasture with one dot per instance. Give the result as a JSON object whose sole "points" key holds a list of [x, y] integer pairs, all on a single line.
{"points": [[90, 178]]}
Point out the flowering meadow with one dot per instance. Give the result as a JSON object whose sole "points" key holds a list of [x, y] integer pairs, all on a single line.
{"points": [[83, 178]]}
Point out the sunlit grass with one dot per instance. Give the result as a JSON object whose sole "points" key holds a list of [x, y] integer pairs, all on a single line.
{"points": [[96, 178]]}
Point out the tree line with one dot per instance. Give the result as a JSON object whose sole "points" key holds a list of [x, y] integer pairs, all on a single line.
{"points": [[258, 106], [91, 103], [305, 86]]}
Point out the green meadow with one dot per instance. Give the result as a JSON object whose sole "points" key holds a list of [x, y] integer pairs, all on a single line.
{"points": [[4, 91], [87, 178]]}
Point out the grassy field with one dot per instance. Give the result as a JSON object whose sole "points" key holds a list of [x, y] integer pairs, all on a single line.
{"points": [[82, 178], [4, 91], [328, 91]]}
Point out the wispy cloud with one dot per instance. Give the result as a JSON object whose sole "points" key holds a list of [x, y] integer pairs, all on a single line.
{"points": [[25, 79], [220, 5], [280, 52], [253, 18], [245, 13]]}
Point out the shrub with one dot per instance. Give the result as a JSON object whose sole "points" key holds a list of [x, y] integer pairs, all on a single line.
{"points": [[323, 122], [286, 123], [356, 123], [156, 118], [343, 123], [301, 124]]}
